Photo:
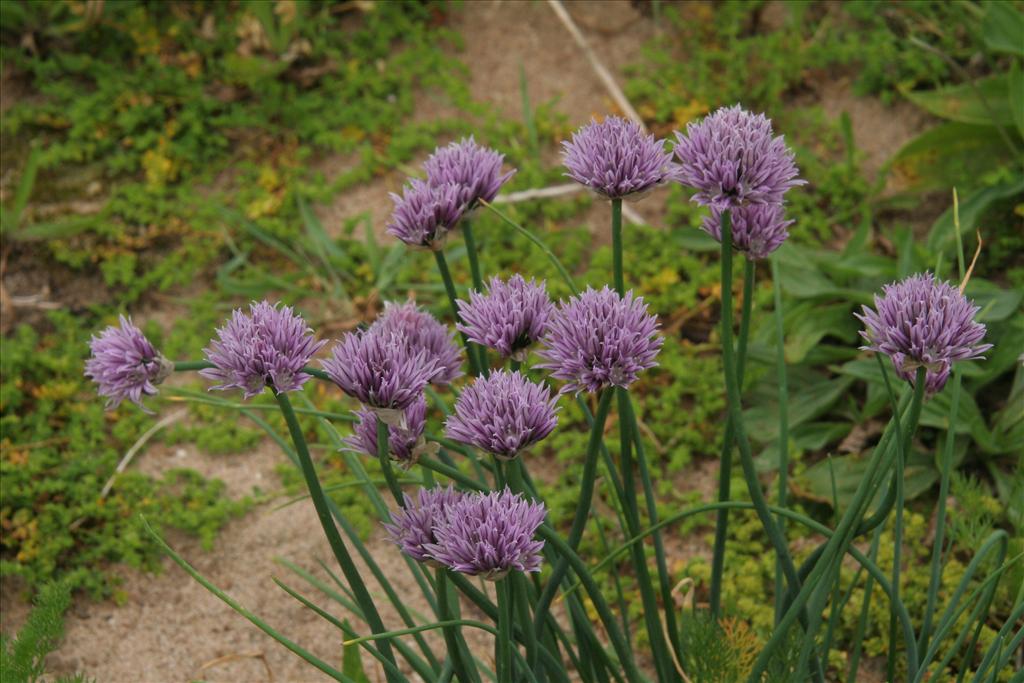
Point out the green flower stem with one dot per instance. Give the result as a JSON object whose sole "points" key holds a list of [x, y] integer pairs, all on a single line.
{"points": [[736, 417], [474, 260], [664, 580], [620, 278], [946, 468], [725, 459], [521, 591], [540, 610], [631, 508], [348, 567], [865, 610], [448, 611], [569, 556], [453, 298], [848, 525], [192, 365], [490, 610], [503, 641], [780, 364], [735, 411], [384, 456], [868, 564]]}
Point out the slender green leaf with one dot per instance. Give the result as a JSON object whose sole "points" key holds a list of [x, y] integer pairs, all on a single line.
{"points": [[982, 103]]}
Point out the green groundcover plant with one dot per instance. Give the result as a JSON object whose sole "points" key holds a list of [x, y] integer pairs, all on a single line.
{"points": [[463, 509]]}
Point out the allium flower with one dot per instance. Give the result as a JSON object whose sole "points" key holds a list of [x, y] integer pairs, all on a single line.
{"points": [[475, 170], [267, 347], [509, 318], [489, 534], [404, 444], [412, 528], [423, 331], [757, 229], [922, 322], [731, 159], [381, 369], [598, 338], [125, 365], [615, 158], [425, 213], [503, 414]]}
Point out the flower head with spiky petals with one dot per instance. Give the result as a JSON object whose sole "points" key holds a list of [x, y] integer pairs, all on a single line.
{"points": [[503, 414], [124, 365], [474, 169], [757, 229], [381, 369], [269, 346], [424, 213], [489, 535], [424, 331], [405, 444], [731, 158], [413, 528], [616, 159], [923, 322], [509, 317], [598, 339]]}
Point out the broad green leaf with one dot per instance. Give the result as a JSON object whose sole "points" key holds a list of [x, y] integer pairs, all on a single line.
{"points": [[815, 483], [982, 103], [995, 303], [950, 155], [809, 437], [1003, 28], [808, 323], [942, 237], [806, 403]]}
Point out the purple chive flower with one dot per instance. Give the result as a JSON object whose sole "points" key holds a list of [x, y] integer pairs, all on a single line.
{"points": [[615, 158], [598, 338], [475, 170], [731, 159], [405, 444], [412, 528], [489, 534], [381, 369], [423, 331], [424, 213], [923, 322], [757, 229], [509, 318], [267, 347], [503, 414], [125, 365]]}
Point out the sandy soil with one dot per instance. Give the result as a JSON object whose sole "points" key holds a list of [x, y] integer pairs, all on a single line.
{"points": [[170, 629]]}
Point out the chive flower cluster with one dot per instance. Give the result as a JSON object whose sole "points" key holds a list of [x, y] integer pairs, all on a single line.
{"points": [[423, 331], [923, 322], [125, 365], [599, 339], [736, 164], [458, 177], [268, 347], [405, 443], [616, 159], [509, 317], [503, 414], [479, 534]]}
